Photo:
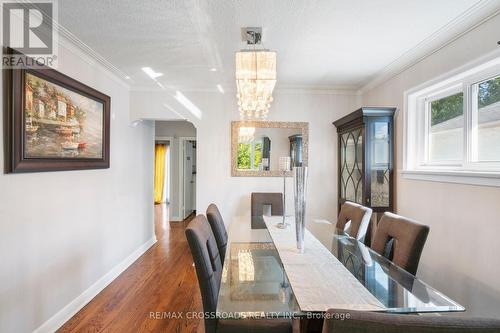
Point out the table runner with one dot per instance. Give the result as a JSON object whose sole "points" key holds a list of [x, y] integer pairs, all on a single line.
{"points": [[318, 279]]}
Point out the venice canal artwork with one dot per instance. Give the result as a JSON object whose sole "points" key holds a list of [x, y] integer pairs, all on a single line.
{"points": [[60, 123]]}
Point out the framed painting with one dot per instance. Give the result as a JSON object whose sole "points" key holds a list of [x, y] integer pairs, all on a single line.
{"points": [[54, 122]]}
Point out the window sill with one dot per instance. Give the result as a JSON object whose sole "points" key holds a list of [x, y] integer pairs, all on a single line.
{"points": [[459, 177]]}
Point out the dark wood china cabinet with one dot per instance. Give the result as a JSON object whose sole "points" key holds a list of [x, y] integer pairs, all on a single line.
{"points": [[366, 158]]}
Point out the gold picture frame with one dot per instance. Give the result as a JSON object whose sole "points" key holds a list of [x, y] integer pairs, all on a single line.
{"points": [[235, 126]]}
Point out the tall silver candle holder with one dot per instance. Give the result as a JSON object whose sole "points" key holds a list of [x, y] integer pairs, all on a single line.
{"points": [[300, 192], [284, 167]]}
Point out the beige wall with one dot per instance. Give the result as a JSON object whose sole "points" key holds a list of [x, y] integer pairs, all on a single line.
{"points": [[232, 194], [461, 254], [64, 235]]}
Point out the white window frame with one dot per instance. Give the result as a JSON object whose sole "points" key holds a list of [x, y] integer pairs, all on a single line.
{"points": [[417, 163], [425, 139]]}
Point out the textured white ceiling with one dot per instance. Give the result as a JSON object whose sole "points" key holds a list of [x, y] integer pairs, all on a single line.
{"points": [[320, 43]]}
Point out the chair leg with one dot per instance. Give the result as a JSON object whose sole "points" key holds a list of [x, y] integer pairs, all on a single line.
{"points": [[296, 325], [313, 325]]}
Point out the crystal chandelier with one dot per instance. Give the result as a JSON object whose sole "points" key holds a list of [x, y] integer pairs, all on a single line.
{"points": [[255, 78]]}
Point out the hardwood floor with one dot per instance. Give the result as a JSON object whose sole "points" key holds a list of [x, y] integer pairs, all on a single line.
{"points": [[162, 280]]}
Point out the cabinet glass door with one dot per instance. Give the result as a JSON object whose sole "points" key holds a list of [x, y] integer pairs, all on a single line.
{"points": [[379, 163], [351, 166]]}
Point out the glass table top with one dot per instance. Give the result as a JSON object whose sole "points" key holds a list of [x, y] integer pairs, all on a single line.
{"points": [[398, 290], [254, 282]]}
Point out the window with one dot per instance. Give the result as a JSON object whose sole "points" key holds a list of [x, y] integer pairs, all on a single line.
{"points": [[446, 128], [486, 115], [249, 155], [453, 126]]}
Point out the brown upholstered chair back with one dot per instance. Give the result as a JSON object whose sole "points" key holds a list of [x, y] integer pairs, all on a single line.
{"points": [[218, 228], [360, 219], [343, 321], [258, 201], [208, 265], [408, 239]]}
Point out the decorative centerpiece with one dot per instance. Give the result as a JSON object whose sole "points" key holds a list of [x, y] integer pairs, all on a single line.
{"points": [[300, 192]]}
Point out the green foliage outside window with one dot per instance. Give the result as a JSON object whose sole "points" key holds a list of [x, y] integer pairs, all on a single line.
{"points": [[244, 151], [245, 155], [447, 108], [489, 92], [452, 106]]}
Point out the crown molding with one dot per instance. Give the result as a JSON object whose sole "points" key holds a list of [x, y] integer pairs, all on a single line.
{"points": [[318, 90], [69, 41], [156, 88], [77, 43], [289, 89], [476, 15]]}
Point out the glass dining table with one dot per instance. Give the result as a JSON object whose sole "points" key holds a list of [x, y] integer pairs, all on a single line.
{"points": [[254, 282]]}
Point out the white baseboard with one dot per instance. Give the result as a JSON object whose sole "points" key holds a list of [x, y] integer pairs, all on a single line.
{"points": [[57, 320]]}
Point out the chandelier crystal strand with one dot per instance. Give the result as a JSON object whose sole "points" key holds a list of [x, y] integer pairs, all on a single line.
{"points": [[255, 81]]}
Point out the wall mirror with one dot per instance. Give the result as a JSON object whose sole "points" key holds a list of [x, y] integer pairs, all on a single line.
{"points": [[256, 147]]}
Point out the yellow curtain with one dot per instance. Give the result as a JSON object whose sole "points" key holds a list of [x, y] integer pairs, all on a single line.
{"points": [[160, 150]]}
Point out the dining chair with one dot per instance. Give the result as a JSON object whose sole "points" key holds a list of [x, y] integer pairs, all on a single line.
{"points": [[218, 228], [401, 240], [208, 265], [359, 217], [258, 201], [344, 321]]}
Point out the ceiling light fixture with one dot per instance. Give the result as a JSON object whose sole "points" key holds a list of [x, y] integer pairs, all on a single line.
{"points": [[151, 73], [255, 77]]}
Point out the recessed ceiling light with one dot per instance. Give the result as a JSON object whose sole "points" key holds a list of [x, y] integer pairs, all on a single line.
{"points": [[213, 69], [127, 77], [219, 87], [151, 73]]}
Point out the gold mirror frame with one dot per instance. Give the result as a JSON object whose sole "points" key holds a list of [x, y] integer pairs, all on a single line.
{"points": [[235, 126]]}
